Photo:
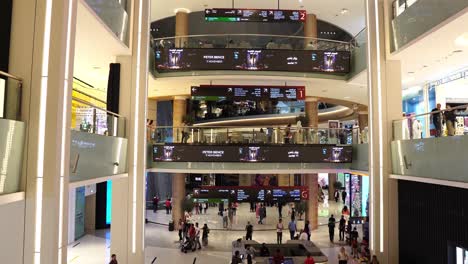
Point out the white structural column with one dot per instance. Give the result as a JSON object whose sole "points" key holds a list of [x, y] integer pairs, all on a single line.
{"points": [[128, 216], [47, 93], [385, 103]]}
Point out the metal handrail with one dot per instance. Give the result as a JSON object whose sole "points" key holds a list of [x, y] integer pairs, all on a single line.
{"points": [[11, 76], [99, 108], [431, 113], [90, 96], [248, 127], [252, 35]]}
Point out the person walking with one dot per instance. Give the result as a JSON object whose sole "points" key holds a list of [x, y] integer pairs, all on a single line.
{"points": [[167, 204], [236, 258], [231, 216], [181, 228], [437, 120], [343, 196], [331, 228], [192, 233], [280, 210], [336, 195], [260, 214], [113, 259], [197, 236], [205, 232], [293, 214], [279, 232], [225, 218], [205, 207], [221, 208], [307, 229], [342, 256], [249, 231], [309, 259], [250, 251], [342, 228], [155, 203], [292, 229]]}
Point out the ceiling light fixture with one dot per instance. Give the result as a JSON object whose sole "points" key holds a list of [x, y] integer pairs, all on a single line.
{"points": [[407, 80], [462, 40], [344, 11], [182, 10], [457, 51]]}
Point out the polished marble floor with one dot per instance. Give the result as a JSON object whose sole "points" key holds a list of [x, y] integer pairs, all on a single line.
{"points": [[163, 245]]}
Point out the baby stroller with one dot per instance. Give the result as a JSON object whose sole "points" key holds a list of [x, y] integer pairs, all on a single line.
{"points": [[187, 245]]}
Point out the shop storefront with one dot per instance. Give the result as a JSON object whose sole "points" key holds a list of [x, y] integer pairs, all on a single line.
{"points": [[449, 91]]}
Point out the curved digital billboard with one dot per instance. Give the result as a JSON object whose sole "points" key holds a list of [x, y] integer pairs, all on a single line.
{"points": [[195, 59]]}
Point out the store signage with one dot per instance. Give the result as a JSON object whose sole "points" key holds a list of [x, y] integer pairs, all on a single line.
{"points": [[248, 92], [254, 15], [194, 59], [260, 153], [252, 193]]}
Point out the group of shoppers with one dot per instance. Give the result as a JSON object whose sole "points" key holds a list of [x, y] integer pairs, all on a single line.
{"points": [[190, 234]]}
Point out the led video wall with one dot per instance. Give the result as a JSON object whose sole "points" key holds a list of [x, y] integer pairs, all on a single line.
{"points": [[233, 153], [189, 59]]}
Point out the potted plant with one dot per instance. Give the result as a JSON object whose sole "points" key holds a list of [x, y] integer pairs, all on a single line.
{"points": [[337, 185]]}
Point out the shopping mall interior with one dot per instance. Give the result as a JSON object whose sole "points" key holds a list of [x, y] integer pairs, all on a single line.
{"points": [[233, 131]]}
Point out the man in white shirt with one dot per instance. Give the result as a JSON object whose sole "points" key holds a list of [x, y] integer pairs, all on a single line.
{"points": [[303, 236]]}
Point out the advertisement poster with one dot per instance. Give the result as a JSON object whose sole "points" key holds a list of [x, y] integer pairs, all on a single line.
{"points": [[264, 180]]}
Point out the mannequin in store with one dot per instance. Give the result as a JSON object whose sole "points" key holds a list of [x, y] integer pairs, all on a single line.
{"points": [[298, 132], [417, 129], [364, 134], [405, 128]]}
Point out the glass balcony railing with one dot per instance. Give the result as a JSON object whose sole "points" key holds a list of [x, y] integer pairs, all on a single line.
{"points": [[441, 123], [114, 14], [10, 96], [250, 41], [251, 135], [89, 118]]}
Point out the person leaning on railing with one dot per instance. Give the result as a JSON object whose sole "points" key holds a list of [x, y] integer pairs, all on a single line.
{"points": [[451, 120], [437, 120]]}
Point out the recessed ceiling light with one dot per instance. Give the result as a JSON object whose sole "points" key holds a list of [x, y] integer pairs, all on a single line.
{"points": [[407, 80], [347, 97], [410, 72], [344, 11], [425, 66], [462, 40], [182, 10], [457, 51], [324, 90], [96, 68]]}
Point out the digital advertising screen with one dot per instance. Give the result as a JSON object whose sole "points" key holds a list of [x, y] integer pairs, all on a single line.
{"points": [[252, 194], [248, 92], [254, 15], [194, 59], [252, 153]]}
